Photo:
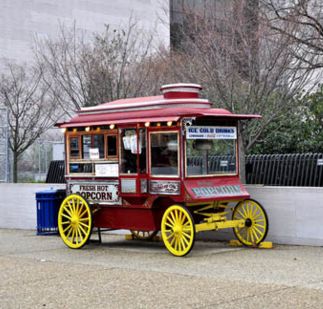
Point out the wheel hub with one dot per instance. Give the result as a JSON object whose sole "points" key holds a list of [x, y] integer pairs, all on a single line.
{"points": [[248, 222], [177, 229], [74, 221]]}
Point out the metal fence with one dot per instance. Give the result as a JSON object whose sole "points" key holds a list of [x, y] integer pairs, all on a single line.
{"points": [[297, 170], [56, 172]]}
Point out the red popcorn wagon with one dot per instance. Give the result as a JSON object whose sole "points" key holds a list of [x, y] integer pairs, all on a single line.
{"points": [[165, 163]]}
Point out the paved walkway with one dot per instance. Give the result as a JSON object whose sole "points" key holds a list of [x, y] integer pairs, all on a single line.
{"points": [[40, 272]]}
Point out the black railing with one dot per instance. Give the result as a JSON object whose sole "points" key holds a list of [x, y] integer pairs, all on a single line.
{"points": [[297, 170], [56, 172]]}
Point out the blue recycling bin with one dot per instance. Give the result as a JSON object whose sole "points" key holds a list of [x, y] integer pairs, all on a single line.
{"points": [[48, 203]]}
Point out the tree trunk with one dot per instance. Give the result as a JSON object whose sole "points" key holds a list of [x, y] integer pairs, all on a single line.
{"points": [[242, 158], [15, 167]]}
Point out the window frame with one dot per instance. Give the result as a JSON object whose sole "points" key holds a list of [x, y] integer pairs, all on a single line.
{"points": [[212, 175], [178, 154], [79, 159]]}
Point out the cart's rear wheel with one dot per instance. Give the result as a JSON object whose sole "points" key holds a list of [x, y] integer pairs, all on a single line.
{"points": [[178, 230], [143, 235], [74, 221], [256, 222]]}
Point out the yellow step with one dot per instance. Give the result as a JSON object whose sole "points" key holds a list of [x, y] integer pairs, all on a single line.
{"points": [[262, 245]]}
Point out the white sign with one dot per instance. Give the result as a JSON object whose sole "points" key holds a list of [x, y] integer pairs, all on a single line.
{"points": [[98, 192], [319, 162], [107, 170], [94, 154], [211, 132]]}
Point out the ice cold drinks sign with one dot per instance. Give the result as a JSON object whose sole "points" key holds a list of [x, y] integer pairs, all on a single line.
{"points": [[211, 132]]}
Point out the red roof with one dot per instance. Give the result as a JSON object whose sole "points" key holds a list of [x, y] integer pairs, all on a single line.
{"points": [[152, 115]]}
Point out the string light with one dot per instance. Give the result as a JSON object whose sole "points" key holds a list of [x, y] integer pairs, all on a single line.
{"points": [[87, 129], [112, 126], [147, 124]]}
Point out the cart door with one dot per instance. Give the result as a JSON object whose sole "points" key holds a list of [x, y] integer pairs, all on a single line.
{"points": [[164, 161], [133, 162]]}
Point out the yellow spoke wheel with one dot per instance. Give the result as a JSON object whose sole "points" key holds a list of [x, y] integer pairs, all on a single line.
{"points": [[178, 230], [143, 235], [256, 222], [75, 221]]}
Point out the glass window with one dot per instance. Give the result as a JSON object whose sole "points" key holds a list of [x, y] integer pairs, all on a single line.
{"points": [[98, 142], [112, 145], [74, 147], [164, 153], [86, 145], [128, 151], [210, 156], [81, 168]]}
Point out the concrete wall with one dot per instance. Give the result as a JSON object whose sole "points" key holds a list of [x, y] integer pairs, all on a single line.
{"points": [[21, 21], [18, 204], [295, 213]]}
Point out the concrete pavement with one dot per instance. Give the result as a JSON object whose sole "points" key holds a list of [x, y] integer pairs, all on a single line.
{"points": [[41, 272]]}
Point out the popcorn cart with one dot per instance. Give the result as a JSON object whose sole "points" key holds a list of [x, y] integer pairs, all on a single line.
{"points": [[165, 163]]}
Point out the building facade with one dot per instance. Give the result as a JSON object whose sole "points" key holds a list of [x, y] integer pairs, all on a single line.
{"points": [[23, 21]]}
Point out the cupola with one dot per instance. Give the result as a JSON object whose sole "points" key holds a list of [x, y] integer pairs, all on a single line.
{"points": [[181, 91]]}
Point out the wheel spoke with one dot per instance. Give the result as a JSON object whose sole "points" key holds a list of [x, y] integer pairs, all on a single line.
{"points": [[173, 217], [245, 215], [70, 206], [80, 234], [185, 240], [170, 225], [67, 210], [172, 241], [170, 235], [256, 229], [66, 216], [241, 214], [70, 232], [176, 244], [87, 226], [248, 209], [187, 229], [73, 234], [256, 235], [251, 235], [82, 229], [186, 235], [170, 220], [68, 227], [254, 211], [83, 213]]}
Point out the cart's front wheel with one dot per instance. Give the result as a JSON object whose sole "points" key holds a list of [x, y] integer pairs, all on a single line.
{"points": [[74, 221], [178, 230], [256, 222], [143, 235]]}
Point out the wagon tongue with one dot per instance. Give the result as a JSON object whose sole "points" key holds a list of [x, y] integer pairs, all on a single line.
{"points": [[216, 189]]}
